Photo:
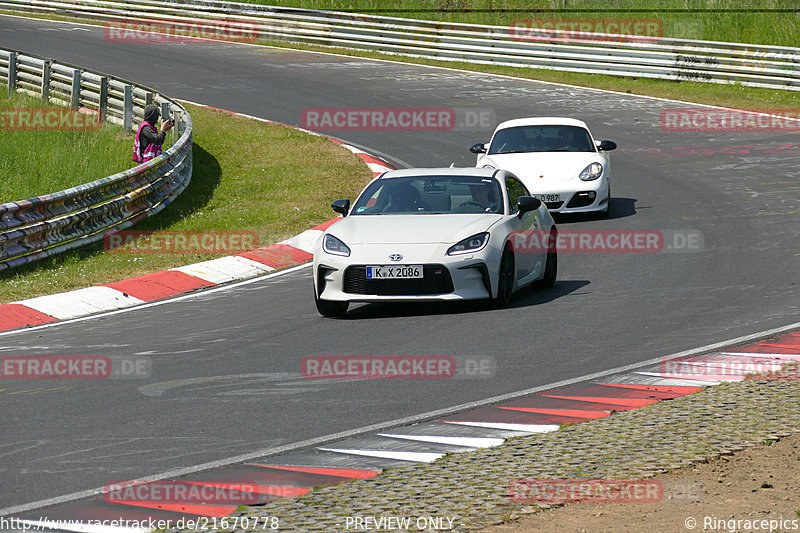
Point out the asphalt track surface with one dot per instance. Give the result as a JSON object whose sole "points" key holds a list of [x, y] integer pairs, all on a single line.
{"points": [[226, 364]]}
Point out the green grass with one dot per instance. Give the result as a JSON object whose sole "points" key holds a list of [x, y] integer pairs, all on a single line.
{"points": [[770, 22], [33, 163], [248, 175]]}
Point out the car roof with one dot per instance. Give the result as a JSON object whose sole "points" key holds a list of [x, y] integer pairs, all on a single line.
{"points": [[542, 121], [442, 171]]}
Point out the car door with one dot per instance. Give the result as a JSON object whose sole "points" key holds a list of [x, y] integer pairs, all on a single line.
{"points": [[525, 233]]}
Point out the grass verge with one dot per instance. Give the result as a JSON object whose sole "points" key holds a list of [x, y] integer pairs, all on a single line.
{"points": [[33, 163], [771, 22], [248, 175]]}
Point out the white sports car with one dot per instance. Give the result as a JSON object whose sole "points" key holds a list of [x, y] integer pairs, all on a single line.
{"points": [[556, 158], [435, 234]]}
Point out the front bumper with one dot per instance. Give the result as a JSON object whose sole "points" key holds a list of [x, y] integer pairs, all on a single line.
{"points": [[448, 278], [590, 197]]}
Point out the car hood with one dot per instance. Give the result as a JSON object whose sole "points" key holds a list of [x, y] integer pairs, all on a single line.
{"points": [[554, 166], [411, 229]]}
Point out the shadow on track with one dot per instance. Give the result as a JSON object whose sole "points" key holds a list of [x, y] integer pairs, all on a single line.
{"points": [[526, 297], [620, 208]]}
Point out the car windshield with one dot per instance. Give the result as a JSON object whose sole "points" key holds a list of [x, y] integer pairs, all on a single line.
{"points": [[430, 195], [546, 138]]}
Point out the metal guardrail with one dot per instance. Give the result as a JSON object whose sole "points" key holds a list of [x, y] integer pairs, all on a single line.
{"points": [[650, 57], [40, 227]]}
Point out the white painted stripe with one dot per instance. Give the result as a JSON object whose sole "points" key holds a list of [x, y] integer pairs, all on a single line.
{"points": [[418, 457], [658, 380], [225, 269], [527, 428], [80, 302], [689, 379], [469, 442], [375, 167], [353, 149], [789, 356], [78, 526], [305, 241]]}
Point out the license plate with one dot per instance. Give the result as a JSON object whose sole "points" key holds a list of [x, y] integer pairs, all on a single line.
{"points": [[548, 197], [394, 272]]}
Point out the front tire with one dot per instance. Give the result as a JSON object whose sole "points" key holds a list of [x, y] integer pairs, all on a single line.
{"points": [[505, 279], [551, 263], [607, 211], [330, 309]]}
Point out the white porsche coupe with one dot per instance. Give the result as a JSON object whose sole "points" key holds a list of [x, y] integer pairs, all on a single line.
{"points": [[556, 158], [435, 234]]}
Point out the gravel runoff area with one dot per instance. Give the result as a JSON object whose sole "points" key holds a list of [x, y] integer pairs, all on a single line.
{"points": [[473, 488]]}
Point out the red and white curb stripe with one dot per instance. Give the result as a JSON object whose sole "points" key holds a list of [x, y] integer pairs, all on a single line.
{"points": [[175, 281], [297, 473]]}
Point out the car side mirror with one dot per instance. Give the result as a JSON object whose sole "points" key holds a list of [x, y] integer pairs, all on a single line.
{"points": [[478, 148], [527, 203], [341, 206], [607, 146]]}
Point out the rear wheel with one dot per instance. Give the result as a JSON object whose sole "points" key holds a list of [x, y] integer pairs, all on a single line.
{"points": [[330, 309], [505, 279]]}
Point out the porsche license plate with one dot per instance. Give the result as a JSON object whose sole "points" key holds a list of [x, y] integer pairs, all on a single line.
{"points": [[394, 272], [548, 197]]}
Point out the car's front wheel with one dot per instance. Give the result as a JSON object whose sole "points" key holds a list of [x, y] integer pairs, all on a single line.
{"points": [[605, 212], [330, 309], [551, 263], [505, 279]]}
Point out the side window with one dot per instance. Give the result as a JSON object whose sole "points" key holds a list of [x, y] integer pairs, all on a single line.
{"points": [[515, 190]]}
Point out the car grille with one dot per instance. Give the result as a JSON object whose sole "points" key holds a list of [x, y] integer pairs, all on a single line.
{"points": [[436, 280], [553, 205]]}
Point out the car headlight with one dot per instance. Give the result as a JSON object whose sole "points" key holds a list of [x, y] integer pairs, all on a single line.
{"points": [[334, 246], [470, 244], [592, 172]]}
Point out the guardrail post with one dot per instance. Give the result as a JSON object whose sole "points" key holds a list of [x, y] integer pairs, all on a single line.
{"points": [[103, 97], [46, 81], [180, 124], [127, 107], [75, 93], [12, 72]]}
